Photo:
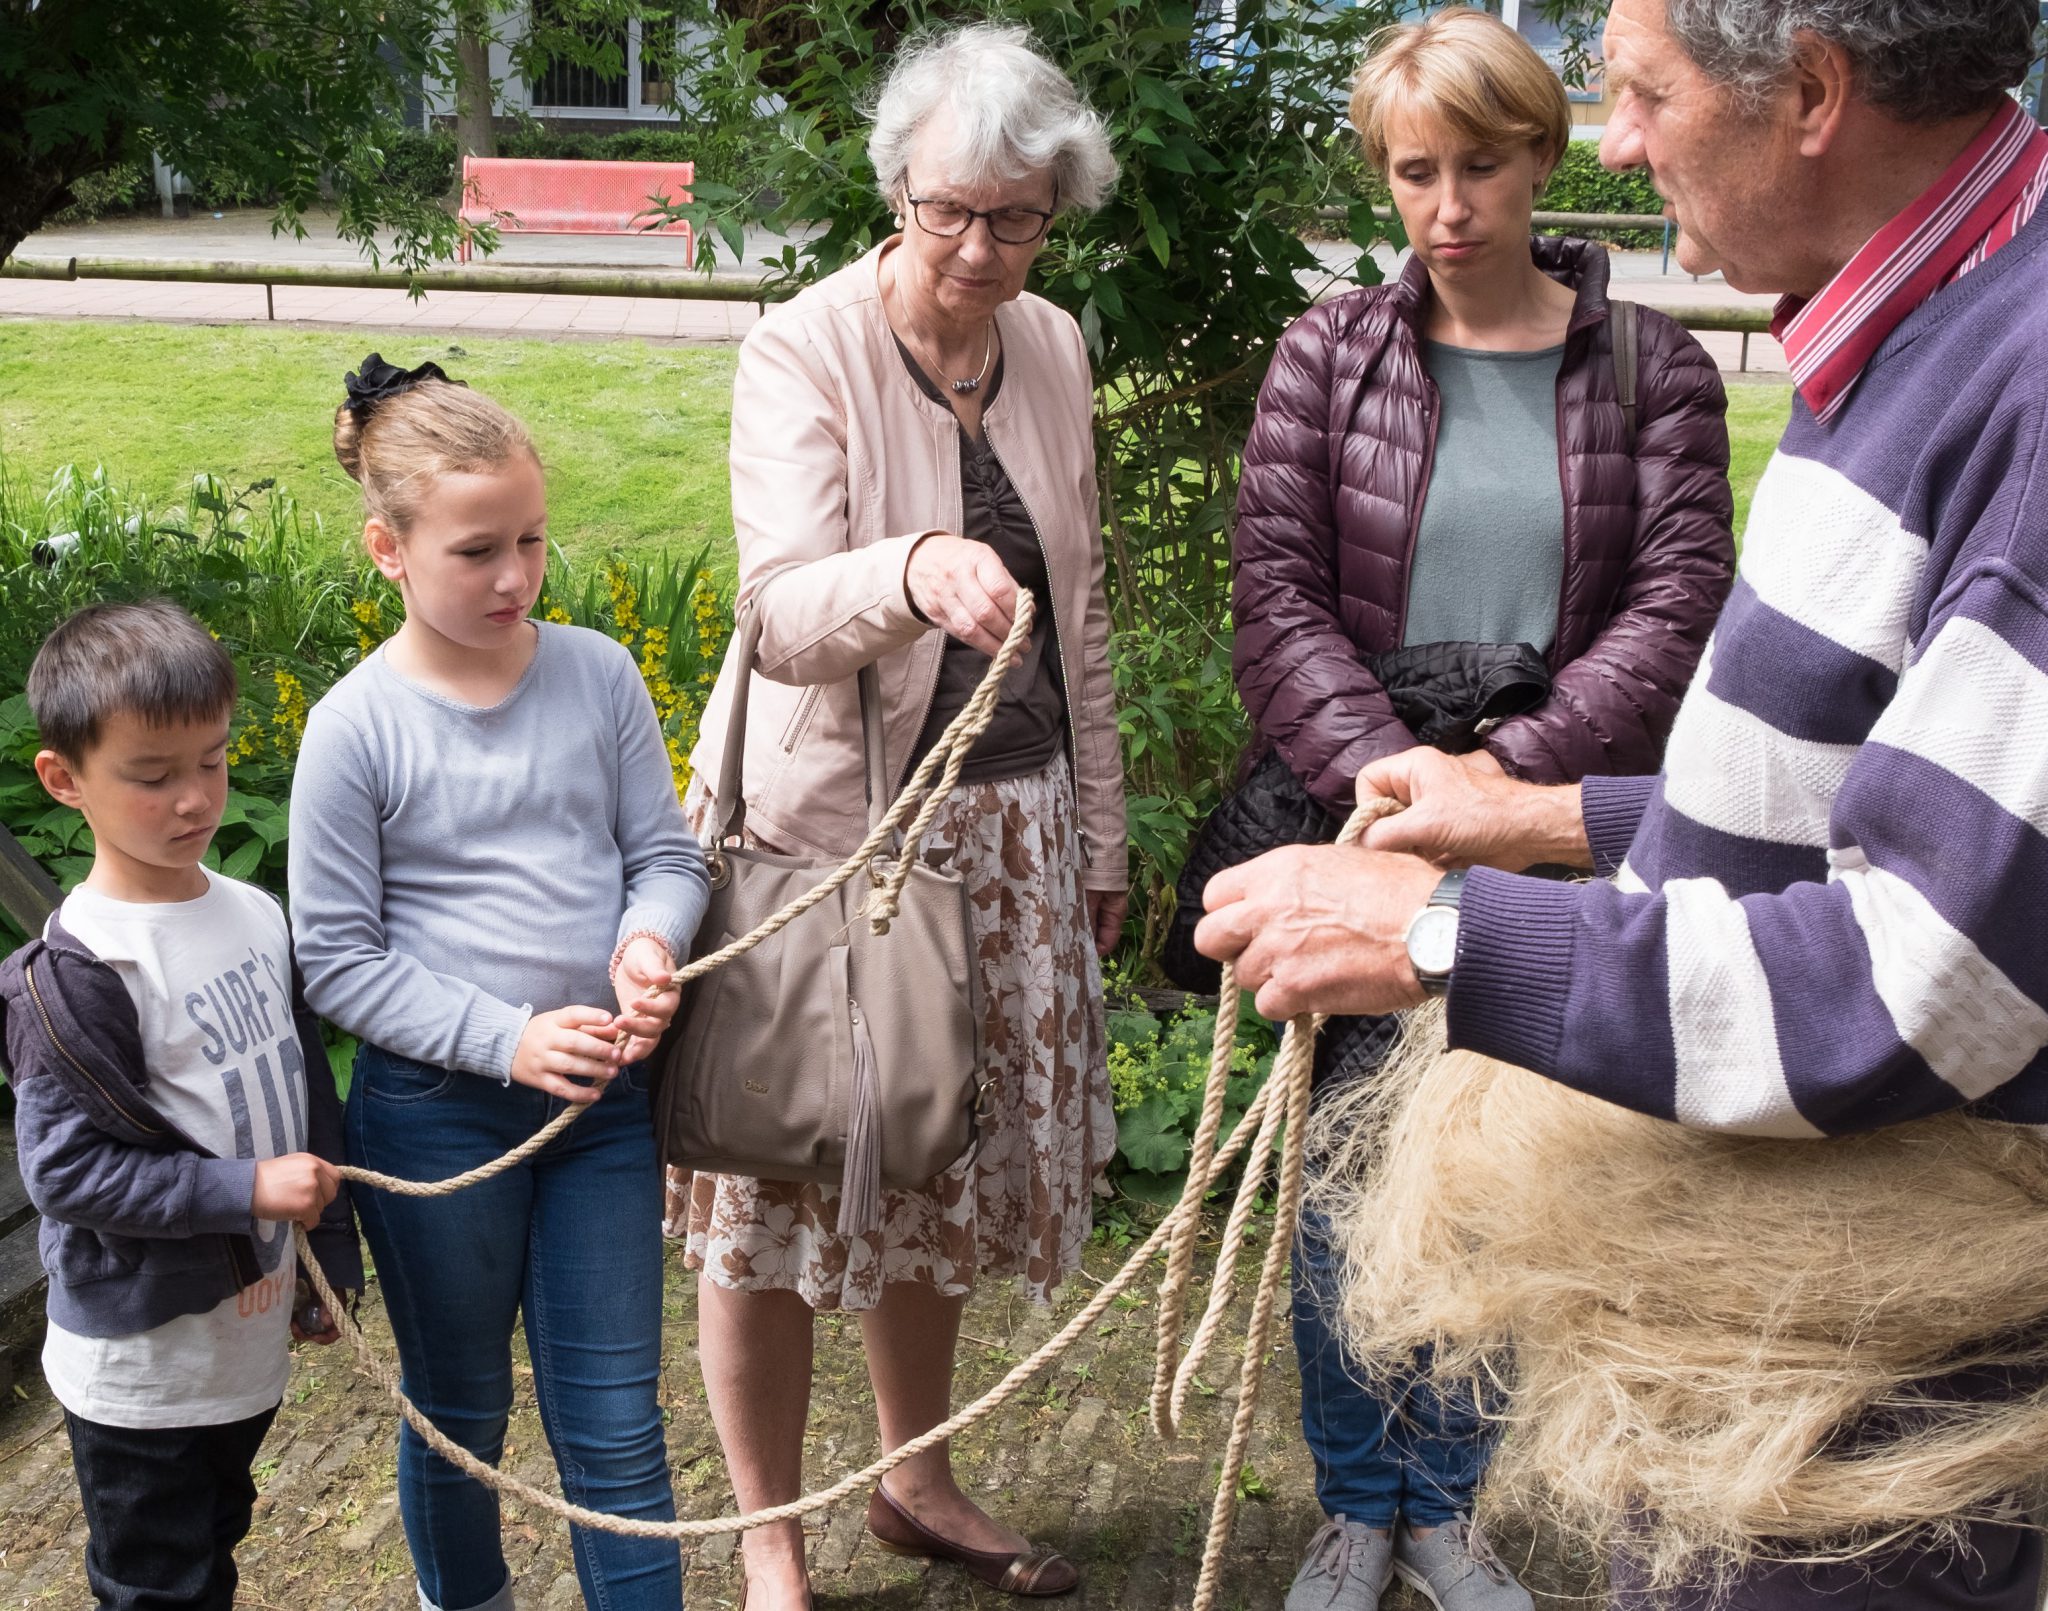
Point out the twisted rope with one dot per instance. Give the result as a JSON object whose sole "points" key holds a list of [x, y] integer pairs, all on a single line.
{"points": [[1293, 1067], [1280, 1108], [919, 794]]}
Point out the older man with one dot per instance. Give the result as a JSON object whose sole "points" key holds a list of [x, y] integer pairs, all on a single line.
{"points": [[1830, 911]]}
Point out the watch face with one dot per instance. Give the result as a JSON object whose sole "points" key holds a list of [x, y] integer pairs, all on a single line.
{"points": [[1433, 941]]}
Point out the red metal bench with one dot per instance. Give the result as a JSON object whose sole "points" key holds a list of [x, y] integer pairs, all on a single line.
{"points": [[549, 196]]}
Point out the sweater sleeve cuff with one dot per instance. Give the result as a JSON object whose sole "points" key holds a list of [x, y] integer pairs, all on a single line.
{"points": [[672, 926], [223, 1197], [1613, 809], [489, 1037], [1513, 972]]}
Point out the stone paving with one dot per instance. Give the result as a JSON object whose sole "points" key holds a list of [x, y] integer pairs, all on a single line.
{"points": [[1072, 1460]]}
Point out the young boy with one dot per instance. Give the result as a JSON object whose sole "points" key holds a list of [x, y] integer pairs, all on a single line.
{"points": [[175, 1114]]}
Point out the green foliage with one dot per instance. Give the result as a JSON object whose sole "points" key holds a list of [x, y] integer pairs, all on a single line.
{"points": [[1581, 185], [126, 189], [296, 614], [278, 100], [1229, 128], [1157, 1071]]}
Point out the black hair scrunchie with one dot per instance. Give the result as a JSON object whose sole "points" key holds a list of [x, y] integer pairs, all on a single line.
{"points": [[378, 382]]}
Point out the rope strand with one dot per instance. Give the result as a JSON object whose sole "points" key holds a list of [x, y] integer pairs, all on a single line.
{"points": [[1279, 1111]]}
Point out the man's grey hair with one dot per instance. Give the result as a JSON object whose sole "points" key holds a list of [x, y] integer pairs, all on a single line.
{"points": [[1014, 115], [1921, 61]]}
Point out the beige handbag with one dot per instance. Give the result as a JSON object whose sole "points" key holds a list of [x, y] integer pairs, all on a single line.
{"points": [[829, 1052]]}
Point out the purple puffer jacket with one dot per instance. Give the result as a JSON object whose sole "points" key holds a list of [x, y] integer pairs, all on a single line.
{"points": [[1331, 497]]}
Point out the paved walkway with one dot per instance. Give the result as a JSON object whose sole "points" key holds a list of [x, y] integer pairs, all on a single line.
{"points": [[1072, 1460], [246, 235]]}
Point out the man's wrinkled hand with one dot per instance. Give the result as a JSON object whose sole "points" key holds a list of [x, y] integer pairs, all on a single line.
{"points": [[1319, 928], [1457, 815]]}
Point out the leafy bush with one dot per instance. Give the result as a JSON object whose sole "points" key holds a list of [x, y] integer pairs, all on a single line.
{"points": [[126, 189], [1157, 1071], [296, 611], [420, 162], [1581, 185]]}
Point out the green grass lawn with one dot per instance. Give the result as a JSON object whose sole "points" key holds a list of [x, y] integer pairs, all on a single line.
{"points": [[1757, 411], [633, 434]]}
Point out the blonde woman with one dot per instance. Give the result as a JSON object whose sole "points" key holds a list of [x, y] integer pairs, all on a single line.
{"points": [[1445, 459]]}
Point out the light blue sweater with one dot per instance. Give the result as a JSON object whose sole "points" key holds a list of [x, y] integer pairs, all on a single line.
{"points": [[455, 870]]}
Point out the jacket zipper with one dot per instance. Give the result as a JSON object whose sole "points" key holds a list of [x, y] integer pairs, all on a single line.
{"points": [[28, 973], [794, 734], [1058, 644], [1432, 412]]}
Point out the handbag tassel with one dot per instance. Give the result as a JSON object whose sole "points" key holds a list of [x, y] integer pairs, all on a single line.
{"points": [[860, 1187]]}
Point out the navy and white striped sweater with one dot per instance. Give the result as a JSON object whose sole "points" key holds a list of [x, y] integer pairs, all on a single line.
{"points": [[1830, 911]]}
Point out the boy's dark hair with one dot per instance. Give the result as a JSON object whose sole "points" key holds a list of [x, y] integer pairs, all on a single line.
{"points": [[151, 659]]}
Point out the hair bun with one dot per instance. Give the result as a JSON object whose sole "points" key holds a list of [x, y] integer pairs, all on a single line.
{"points": [[348, 442]]}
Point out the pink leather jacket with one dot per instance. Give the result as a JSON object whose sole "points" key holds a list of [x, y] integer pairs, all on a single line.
{"points": [[840, 463]]}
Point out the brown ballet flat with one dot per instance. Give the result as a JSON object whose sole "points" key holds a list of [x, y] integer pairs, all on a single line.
{"points": [[1038, 1571]]}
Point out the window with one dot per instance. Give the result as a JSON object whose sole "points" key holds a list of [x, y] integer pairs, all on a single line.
{"points": [[645, 51]]}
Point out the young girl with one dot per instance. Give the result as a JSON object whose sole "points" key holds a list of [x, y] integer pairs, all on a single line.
{"points": [[491, 881]]}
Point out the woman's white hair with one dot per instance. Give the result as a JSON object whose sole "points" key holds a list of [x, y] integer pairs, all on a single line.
{"points": [[1014, 114]]}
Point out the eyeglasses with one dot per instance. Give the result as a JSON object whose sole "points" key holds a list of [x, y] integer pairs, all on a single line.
{"points": [[1010, 226]]}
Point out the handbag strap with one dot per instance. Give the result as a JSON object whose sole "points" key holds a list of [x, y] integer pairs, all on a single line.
{"points": [[1624, 319], [731, 793]]}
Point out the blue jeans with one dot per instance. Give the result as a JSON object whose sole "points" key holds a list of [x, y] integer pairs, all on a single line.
{"points": [[571, 1240], [1378, 1455]]}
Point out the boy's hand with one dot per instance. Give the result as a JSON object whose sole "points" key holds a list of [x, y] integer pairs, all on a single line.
{"points": [[578, 1041], [311, 1321], [294, 1187], [647, 996]]}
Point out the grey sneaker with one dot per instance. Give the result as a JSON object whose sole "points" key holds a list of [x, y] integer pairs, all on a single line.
{"points": [[1347, 1568], [1455, 1569]]}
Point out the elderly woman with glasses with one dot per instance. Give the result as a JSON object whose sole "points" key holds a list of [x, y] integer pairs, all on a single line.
{"points": [[912, 447]]}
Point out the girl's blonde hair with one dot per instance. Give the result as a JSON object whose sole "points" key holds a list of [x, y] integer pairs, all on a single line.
{"points": [[394, 448], [1467, 70]]}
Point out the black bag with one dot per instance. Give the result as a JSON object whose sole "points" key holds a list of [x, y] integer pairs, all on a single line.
{"points": [[1450, 695]]}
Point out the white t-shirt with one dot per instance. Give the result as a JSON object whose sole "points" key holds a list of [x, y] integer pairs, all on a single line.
{"points": [[211, 982]]}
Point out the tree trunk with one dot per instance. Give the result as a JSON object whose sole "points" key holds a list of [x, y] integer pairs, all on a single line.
{"points": [[475, 136], [34, 188]]}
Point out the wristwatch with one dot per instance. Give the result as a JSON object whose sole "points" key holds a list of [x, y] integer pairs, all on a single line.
{"points": [[1433, 935]]}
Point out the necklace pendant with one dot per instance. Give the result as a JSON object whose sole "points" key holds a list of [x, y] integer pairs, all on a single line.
{"points": [[963, 387]]}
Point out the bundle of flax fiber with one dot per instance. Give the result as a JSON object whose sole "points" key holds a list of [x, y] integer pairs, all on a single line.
{"points": [[1707, 1350]]}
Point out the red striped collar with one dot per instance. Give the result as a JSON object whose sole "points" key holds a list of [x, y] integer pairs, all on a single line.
{"points": [[1984, 199]]}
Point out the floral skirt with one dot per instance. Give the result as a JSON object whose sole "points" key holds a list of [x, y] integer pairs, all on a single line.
{"points": [[1023, 1204]]}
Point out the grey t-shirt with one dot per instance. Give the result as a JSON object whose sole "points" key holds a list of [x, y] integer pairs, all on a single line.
{"points": [[455, 869], [1489, 557]]}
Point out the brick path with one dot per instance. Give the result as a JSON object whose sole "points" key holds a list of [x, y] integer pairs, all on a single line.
{"points": [[1071, 1460]]}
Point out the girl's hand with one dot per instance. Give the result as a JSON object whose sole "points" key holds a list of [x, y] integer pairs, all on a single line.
{"points": [[569, 1041], [648, 996]]}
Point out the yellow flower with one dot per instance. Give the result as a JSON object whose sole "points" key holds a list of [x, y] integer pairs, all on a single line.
{"points": [[625, 602], [289, 717], [366, 610], [556, 614]]}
